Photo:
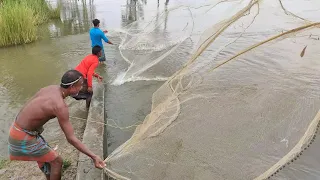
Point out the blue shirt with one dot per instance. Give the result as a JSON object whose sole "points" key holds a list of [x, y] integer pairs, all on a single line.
{"points": [[96, 35]]}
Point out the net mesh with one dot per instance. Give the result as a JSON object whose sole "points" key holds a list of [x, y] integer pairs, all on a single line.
{"points": [[243, 106], [147, 45]]}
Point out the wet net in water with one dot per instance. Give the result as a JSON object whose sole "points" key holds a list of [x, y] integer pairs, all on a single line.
{"points": [[244, 105]]}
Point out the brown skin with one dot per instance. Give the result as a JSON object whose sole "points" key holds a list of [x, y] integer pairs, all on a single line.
{"points": [[99, 80], [47, 104]]}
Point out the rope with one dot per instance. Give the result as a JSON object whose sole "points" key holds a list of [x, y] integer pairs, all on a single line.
{"points": [[114, 174], [106, 124], [268, 40]]}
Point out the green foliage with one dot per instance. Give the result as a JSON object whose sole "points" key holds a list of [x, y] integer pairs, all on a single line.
{"points": [[66, 164], [19, 20], [3, 163]]}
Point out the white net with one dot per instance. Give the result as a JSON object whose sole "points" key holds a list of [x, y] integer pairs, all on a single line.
{"points": [[244, 105], [147, 44]]}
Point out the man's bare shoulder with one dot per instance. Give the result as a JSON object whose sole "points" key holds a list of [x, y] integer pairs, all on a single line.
{"points": [[53, 96], [43, 106], [60, 106]]}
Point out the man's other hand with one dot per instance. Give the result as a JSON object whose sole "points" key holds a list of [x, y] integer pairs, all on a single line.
{"points": [[100, 79], [89, 89]]}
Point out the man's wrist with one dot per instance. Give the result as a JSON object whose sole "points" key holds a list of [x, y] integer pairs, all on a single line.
{"points": [[93, 156]]}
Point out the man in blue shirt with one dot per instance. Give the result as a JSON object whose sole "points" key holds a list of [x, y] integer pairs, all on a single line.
{"points": [[96, 36]]}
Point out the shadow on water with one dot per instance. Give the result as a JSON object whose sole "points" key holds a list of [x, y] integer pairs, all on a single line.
{"points": [[133, 11], [76, 17], [166, 3]]}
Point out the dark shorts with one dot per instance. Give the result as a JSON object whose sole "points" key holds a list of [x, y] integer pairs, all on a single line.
{"points": [[83, 93]]}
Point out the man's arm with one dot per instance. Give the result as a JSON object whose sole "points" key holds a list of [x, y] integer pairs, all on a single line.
{"points": [[62, 114], [105, 38], [97, 76]]}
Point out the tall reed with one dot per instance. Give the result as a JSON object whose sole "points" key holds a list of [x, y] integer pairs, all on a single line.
{"points": [[17, 24], [19, 20]]}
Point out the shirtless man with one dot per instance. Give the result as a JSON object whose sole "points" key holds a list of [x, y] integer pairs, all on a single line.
{"points": [[25, 140]]}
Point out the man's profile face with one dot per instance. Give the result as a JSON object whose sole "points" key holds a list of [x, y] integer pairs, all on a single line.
{"points": [[76, 87]]}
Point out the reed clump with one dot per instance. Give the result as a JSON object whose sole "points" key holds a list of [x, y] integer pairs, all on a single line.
{"points": [[19, 20]]}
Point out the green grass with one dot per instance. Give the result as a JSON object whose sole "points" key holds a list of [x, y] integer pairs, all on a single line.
{"points": [[19, 20], [66, 164], [17, 24], [3, 163]]}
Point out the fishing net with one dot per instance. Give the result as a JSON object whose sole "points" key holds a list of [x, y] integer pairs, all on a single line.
{"points": [[244, 105], [147, 45]]}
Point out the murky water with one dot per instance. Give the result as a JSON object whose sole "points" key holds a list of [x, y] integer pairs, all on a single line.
{"points": [[128, 102], [239, 120], [27, 68]]}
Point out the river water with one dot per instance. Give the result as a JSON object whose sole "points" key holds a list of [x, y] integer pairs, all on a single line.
{"points": [[27, 68], [243, 108], [246, 116]]}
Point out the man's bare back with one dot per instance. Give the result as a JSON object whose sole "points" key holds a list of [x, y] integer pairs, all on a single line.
{"points": [[41, 108]]}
